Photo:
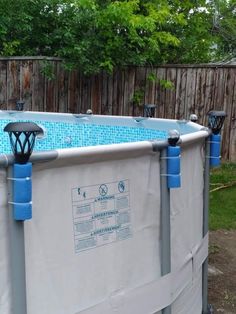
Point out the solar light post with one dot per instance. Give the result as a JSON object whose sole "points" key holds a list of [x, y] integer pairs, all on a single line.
{"points": [[149, 110], [216, 120], [215, 123], [20, 105], [22, 138], [212, 158]]}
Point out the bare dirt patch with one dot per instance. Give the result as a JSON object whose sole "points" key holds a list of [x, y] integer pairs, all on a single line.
{"points": [[222, 284]]}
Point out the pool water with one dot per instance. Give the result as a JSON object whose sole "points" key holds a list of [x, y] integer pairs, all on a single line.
{"points": [[65, 135]]}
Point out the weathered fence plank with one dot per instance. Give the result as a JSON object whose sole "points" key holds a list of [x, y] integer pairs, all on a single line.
{"points": [[139, 91], [232, 139], [62, 82], [3, 85], [150, 86], [199, 93], [109, 93], [120, 92], [130, 94], [160, 93], [38, 88], [13, 82], [115, 91], [73, 91], [170, 93], [227, 106], [95, 94], [44, 85], [27, 84], [180, 88]]}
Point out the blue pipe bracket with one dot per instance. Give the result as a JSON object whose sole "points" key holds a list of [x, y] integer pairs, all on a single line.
{"points": [[215, 141], [173, 167], [22, 191]]}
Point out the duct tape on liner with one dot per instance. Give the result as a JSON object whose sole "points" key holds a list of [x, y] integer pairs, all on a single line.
{"points": [[200, 253], [193, 261]]}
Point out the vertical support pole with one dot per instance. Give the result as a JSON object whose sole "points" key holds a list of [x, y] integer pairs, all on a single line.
{"points": [[205, 225], [165, 222], [17, 253]]}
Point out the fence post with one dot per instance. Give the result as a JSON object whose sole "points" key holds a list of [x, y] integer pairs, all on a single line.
{"points": [[165, 221], [170, 178], [17, 253], [212, 158], [22, 138], [205, 225]]}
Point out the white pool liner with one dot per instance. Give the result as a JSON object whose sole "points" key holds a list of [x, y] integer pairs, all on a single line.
{"points": [[114, 275]]}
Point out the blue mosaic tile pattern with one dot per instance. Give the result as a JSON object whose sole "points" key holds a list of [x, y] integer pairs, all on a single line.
{"points": [[65, 135]]}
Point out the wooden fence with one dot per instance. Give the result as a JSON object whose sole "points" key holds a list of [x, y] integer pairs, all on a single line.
{"points": [[45, 85]]}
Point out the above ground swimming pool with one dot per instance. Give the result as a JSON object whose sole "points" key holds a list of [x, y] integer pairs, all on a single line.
{"points": [[65, 131], [110, 232]]}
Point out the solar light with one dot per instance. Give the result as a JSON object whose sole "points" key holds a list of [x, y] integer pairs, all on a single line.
{"points": [[22, 137], [149, 110], [20, 105], [193, 117], [173, 137], [216, 120]]}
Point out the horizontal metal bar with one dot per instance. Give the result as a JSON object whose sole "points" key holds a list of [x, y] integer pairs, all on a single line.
{"points": [[8, 159], [44, 156], [104, 152], [190, 138]]}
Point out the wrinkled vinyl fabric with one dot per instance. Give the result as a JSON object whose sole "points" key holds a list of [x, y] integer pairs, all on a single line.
{"points": [[5, 281], [93, 245]]}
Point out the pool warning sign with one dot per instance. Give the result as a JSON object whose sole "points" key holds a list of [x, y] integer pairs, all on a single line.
{"points": [[101, 214]]}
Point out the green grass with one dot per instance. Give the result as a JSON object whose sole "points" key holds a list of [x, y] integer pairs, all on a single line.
{"points": [[223, 201]]}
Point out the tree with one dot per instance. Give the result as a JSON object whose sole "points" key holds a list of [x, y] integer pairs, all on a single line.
{"points": [[196, 37], [103, 34], [119, 33], [224, 27]]}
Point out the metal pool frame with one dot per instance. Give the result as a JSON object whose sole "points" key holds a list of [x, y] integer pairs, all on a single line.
{"points": [[17, 227]]}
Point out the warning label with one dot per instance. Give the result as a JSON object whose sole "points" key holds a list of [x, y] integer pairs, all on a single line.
{"points": [[101, 214]]}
